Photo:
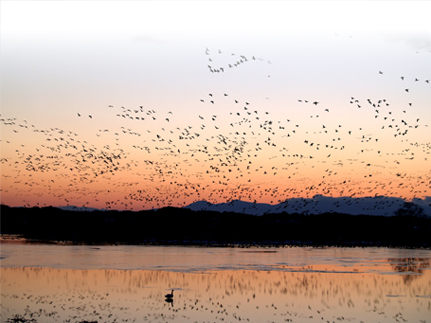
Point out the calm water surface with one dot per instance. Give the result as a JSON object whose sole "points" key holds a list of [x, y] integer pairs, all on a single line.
{"points": [[52, 283]]}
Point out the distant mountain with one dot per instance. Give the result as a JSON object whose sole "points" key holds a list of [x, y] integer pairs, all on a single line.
{"points": [[379, 205]]}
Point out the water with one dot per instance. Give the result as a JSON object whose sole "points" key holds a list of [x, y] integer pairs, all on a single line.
{"points": [[52, 283]]}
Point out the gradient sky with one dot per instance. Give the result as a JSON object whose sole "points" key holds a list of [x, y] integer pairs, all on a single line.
{"points": [[146, 72]]}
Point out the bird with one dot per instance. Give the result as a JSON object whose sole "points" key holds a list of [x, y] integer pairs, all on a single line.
{"points": [[171, 295]]}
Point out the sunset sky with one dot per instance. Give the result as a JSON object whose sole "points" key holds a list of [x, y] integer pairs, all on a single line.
{"points": [[143, 104]]}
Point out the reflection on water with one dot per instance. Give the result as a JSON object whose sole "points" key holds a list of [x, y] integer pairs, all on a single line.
{"points": [[72, 295], [411, 267], [191, 259]]}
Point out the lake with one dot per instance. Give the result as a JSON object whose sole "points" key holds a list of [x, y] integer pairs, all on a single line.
{"points": [[69, 283]]}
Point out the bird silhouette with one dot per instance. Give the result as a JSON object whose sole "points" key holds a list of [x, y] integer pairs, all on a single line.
{"points": [[170, 295]]}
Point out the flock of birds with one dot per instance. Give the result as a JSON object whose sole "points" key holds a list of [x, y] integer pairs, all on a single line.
{"points": [[224, 296], [230, 148]]}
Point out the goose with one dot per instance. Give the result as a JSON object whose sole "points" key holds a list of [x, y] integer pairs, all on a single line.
{"points": [[171, 295]]}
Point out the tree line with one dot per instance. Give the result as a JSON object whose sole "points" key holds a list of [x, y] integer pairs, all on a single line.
{"points": [[180, 226]]}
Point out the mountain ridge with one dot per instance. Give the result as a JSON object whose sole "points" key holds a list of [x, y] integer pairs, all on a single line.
{"points": [[318, 204], [377, 205]]}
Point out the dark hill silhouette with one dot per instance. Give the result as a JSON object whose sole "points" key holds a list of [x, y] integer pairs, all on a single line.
{"points": [[179, 226], [319, 204]]}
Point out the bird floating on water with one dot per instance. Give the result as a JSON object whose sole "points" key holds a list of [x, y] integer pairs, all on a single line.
{"points": [[171, 295]]}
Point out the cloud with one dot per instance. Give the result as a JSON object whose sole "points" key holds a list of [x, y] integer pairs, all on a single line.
{"points": [[416, 40]]}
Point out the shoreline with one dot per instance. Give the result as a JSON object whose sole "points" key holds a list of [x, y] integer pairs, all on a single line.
{"points": [[171, 226], [19, 239]]}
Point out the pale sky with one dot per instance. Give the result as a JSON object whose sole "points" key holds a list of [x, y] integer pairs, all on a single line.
{"points": [[64, 61]]}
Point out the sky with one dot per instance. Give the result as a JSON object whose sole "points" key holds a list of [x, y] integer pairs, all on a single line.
{"points": [[143, 104]]}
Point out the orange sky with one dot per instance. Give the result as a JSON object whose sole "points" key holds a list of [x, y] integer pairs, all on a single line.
{"points": [[128, 115]]}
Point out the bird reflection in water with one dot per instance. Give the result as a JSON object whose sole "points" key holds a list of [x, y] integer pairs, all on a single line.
{"points": [[169, 298], [412, 267]]}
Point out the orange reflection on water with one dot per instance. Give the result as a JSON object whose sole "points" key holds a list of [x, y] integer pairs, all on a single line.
{"points": [[50, 295]]}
